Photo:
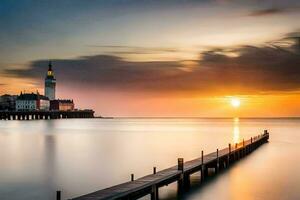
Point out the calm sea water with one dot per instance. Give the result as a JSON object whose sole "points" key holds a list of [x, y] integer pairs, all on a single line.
{"points": [[79, 156]]}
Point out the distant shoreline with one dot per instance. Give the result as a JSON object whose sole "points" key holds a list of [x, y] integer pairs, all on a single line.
{"points": [[197, 117]]}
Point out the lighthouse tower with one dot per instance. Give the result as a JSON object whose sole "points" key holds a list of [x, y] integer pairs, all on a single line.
{"points": [[50, 83]]}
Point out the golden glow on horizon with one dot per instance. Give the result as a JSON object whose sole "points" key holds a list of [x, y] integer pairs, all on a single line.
{"points": [[13, 85], [235, 102], [164, 104]]}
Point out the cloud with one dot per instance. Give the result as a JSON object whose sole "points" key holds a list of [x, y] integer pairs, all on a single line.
{"points": [[257, 69], [239, 70], [103, 71], [274, 11], [124, 49], [266, 12]]}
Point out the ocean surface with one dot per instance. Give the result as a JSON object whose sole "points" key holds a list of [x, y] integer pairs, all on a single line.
{"points": [[79, 156]]}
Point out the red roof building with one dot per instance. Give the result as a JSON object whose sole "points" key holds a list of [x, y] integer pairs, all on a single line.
{"points": [[62, 104]]}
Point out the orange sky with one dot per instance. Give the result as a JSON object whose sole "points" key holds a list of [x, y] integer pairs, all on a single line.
{"points": [[158, 58]]}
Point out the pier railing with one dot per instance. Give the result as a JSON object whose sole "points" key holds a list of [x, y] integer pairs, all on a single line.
{"points": [[218, 160]]}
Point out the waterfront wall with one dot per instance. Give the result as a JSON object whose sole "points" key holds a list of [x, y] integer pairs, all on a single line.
{"points": [[39, 115]]}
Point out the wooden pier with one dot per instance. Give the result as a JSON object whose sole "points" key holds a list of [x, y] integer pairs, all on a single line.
{"points": [[218, 160], [39, 114]]}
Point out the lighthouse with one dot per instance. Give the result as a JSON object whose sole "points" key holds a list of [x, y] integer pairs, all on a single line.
{"points": [[50, 83]]}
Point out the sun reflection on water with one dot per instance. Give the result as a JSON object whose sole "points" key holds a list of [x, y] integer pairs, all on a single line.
{"points": [[236, 130]]}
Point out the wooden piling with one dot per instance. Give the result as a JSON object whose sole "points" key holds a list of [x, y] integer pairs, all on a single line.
{"points": [[132, 177], [236, 152], [154, 170], [243, 150], [218, 162], [229, 153], [202, 167], [180, 164], [186, 181], [58, 195], [154, 192], [180, 182]]}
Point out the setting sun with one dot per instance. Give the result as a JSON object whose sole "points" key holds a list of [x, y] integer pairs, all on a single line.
{"points": [[235, 102]]}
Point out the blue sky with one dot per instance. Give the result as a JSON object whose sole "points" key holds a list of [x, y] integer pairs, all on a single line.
{"points": [[58, 29]]}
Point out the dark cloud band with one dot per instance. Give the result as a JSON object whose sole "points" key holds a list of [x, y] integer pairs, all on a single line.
{"points": [[247, 69]]}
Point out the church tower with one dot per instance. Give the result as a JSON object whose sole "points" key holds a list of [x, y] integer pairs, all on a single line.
{"points": [[50, 83]]}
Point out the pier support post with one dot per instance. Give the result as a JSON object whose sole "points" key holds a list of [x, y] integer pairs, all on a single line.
{"points": [[266, 133], [58, 195], [202, 167], [186, 181], [218, 162], [132, 177], [154, 170], [229, 153], [236, 154], [180, 164], [180, 182], [154, 192], [244, 152]]}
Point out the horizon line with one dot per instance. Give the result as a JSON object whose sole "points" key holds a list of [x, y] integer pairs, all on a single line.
{"points": [[178, 117]]}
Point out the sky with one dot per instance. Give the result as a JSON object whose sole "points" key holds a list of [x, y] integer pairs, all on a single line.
{"points": [[170, 58]]}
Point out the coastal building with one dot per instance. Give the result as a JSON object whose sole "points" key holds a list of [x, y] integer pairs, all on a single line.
{"points": [[31, 102], [35, 101], [50, 83], [62, 104], [8, 102]]}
